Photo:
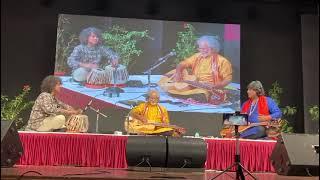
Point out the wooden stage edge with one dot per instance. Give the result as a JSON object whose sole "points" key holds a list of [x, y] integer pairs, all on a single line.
{"points": [[89, 173]]}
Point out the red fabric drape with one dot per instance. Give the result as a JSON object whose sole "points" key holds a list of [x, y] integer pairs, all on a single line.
{"points": [[100, 150], [73, 149], [262, 106], [254, 154]]}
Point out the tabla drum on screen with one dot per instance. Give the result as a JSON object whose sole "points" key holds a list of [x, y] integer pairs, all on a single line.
{"points": [[98, 77], [117, 75]]}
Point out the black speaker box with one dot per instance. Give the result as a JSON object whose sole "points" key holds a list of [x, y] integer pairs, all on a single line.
{"points": [[145, 151], [186, 152], [11, 147], [296, 155]]}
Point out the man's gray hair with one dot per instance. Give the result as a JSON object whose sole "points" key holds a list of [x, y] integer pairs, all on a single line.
{"points": [[257, 87], [153, 91], [213, 41]]}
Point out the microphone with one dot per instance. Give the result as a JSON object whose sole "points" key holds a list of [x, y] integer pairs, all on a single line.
{"points": [[88, 105], [172, 53]]}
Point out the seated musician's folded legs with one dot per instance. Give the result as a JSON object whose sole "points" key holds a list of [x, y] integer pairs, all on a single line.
{"points": [[48, 113], [150, 117], [254, 133], [52, 122]]}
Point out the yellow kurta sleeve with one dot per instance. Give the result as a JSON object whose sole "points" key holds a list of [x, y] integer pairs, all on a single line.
{"points": [[138, 109], [165, 114], [225, 68], [189, 62]]}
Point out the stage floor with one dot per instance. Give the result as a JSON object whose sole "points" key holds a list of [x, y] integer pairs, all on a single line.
{"points": [[70, 172]]}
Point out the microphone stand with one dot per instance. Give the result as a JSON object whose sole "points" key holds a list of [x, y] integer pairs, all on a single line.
{"points": [[154, 66], [239, 167], [113, 90], [98, 115]]}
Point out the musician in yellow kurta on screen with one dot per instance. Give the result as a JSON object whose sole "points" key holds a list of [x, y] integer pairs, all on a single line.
{"points": [[207, 66], [152, 118]]}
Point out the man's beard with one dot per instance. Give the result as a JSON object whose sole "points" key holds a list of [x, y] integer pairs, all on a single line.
{"points": [[153, 103]]}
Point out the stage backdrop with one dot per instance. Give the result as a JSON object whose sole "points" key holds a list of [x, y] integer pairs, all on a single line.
{"points": [[310, 69], [147, 50]]}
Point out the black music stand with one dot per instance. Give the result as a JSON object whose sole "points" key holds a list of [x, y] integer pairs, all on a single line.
{"points": [[239, 167]]}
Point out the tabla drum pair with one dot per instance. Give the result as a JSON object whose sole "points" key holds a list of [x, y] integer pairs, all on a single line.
{"points": [[77, 123], [102, 77], [94, 78]]}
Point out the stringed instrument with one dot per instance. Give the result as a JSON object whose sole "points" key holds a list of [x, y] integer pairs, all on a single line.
{"points": [[228, 131], [189, 86], [131, 122]]}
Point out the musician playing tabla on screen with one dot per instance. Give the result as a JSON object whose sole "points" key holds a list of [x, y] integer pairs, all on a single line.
{"points": [[208, 71], [151, 118], [88, 55]]}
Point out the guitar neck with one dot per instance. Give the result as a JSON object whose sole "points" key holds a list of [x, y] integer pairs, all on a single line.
{"points": [[202, 86], [163, 125], [261, 124], [255, 124], [198, 85]]}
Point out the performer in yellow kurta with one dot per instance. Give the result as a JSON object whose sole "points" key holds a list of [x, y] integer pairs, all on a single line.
{"points": [[208, 70], [152, 118]]}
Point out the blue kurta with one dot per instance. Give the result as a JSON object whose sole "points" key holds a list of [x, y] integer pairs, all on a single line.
{"points": [[274, 111]]}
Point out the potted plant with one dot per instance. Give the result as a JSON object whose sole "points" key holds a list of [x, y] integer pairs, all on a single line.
{"points": [[314, 112], [185, 46], [124, 42], [287, 111], [12, 108], [65, 42]]}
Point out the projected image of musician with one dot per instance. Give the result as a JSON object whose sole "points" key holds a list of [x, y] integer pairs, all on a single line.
{"points": [[151, 118], [263, 114], [88, 55], [48, 113], [201, 76]]}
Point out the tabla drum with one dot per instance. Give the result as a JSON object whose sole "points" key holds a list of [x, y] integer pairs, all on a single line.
{"points": [[97, 77], [118, 76], [80, 74], [77, 123]]}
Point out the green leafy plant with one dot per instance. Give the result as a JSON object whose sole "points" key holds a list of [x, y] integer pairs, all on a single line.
{"points": [[125, 43], [314, 112], [288, 111], [275, 92], [185, 46], [65, 42], [11, 108]]}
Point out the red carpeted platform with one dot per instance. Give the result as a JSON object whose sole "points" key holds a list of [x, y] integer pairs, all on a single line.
{"points": [[102, 150]]}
